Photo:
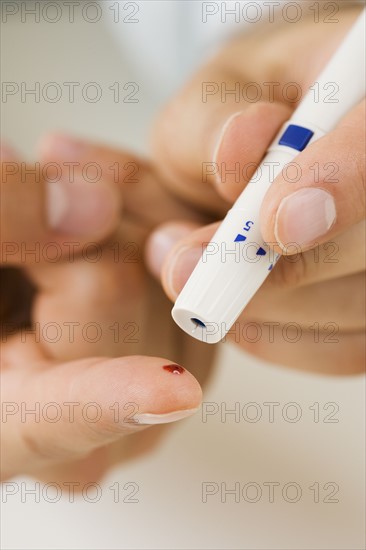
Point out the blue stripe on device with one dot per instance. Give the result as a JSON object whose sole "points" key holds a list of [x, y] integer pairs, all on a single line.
{"points": [[296, 137]]}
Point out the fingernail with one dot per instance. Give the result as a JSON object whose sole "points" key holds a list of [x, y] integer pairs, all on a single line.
{"points": [[67, 147], [182, 266], [161, 243], [147, 418], [81, 208], [304, 217], [224, 133]]}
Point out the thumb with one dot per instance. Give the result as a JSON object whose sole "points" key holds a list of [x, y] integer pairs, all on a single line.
{"points": [[322, 193], [56, 413]]}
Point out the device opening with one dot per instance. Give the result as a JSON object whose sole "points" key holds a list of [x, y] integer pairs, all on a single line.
{"points": [[198, 322]]}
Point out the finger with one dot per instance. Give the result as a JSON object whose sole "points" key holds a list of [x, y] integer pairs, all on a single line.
{"points": [[143, 194], [340, 257], [111, 163], [320, 352], [162, 240], [182, 259], [223, 146], [64, 212], [338, 302], [329, 197], [235, 110], [284, 311], [284, 295], [288, 293], [117, 313], [86, 404], [95, 305]]}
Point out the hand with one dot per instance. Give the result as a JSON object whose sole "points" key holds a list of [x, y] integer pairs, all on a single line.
{"points": [[79, 313], [309, 313]]}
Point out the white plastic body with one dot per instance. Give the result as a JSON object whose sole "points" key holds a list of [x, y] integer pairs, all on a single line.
{"points": [[230, 273]]}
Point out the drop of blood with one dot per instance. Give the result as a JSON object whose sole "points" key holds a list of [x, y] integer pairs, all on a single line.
{"points": [[174, 369]]}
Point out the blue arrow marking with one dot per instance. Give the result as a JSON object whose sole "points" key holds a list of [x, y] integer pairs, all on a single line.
{"points": [[240, 238], [261, 251]]}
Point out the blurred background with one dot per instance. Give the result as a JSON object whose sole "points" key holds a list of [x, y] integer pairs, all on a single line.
{"points": [[321, 455]]}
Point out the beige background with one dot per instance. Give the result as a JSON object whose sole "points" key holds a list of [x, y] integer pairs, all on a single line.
{"points": [[170, 512]]}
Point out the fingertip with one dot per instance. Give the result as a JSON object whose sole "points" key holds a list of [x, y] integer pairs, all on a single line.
{"points": [[81, 208], [183, 258], [150, 386], [110, 398], [80, 201], [161, 242], [178, 267]]}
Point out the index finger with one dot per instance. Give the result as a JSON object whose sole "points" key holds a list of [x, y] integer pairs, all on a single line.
{"points": [[217, 130], [57, 413]]}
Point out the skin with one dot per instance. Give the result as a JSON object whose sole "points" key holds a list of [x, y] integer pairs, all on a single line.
{"points": [[124, 365], [303, 292], [311, 289]]}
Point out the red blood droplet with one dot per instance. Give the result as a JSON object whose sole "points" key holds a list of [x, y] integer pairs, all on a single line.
{"points": [[174, 369]]}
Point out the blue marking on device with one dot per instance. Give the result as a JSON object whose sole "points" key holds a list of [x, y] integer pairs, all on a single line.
{"points": [[296, 137], [239, 238], [261, 252]]}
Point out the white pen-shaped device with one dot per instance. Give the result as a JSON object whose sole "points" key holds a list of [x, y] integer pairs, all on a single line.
{"points": [[237, 261]]}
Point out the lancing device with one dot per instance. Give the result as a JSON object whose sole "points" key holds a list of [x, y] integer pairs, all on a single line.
{"points": [[237, 261]]}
